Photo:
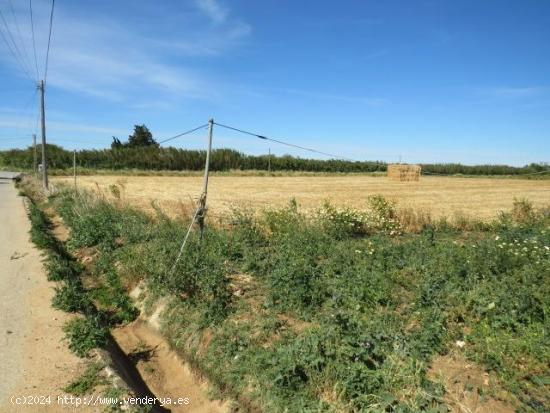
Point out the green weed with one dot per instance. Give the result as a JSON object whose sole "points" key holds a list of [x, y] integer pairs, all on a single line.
{"points": [[87, 381], [85, 334]]}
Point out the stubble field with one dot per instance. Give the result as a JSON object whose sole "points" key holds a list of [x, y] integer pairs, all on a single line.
{"points": [[481, 198]]}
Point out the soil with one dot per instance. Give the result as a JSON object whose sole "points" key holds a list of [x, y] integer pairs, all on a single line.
{"points": [[164, 372], [469, 389]]}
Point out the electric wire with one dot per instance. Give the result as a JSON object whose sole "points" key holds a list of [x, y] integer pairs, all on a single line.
{"points": [[25, 54], [49, 41], [16, 48], [284, 143], [33, 41], [183, 133], [12, 48]]}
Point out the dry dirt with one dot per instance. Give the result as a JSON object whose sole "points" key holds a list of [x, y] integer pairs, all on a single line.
{"points": [[468, 386], [442, 196], [163, 371]]}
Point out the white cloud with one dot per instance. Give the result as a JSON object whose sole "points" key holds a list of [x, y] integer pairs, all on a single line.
{"points": [[214, 10], [516, 92], [113, 59]]}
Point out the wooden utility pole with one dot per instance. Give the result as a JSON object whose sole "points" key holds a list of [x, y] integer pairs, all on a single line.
{"points": [[74, 168], [43, 123], [202, 201], [35, 156], [269, 162]]}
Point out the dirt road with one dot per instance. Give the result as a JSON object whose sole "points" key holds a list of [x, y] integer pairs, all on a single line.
{"points": [[34, 360]]}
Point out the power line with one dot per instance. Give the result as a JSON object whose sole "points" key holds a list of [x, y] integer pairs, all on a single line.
{"points": [[184, 133], [49, 40], [285, 143], [17, 28], [25, 55], [33, 42], [13, 49], [21, 59]]}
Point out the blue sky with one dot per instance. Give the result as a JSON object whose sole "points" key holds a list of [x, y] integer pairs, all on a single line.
{"points": [[427, 81]]}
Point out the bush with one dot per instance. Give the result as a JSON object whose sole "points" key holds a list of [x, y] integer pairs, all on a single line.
{"points": [[71, 297], [341, 222], [382, 216], [61, 268], [85, 334]]}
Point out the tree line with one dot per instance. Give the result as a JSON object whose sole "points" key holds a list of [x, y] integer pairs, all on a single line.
{"points": [[142, 151], [153, 157]]}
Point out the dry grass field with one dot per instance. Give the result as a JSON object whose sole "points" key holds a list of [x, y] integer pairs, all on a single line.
{"points": [[441, 196]]}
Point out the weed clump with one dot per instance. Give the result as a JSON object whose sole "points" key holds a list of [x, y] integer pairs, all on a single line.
{"points": [[87, 381], [85, 334]]}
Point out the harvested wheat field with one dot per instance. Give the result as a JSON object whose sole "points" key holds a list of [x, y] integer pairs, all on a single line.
{"points": [[441, 196]]}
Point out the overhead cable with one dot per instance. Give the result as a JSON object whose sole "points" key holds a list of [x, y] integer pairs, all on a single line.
{"points": [[284, 143], [33, 42], [12, 48], [49, 41], [183, 133]]}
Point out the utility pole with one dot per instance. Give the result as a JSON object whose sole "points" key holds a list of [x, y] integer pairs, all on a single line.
{"points": [[35, 157], [269, 162], [74, 168], [201, 215], [43, 123]]}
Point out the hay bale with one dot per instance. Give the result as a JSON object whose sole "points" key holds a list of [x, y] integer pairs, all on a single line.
{"points": [[404, 172]]}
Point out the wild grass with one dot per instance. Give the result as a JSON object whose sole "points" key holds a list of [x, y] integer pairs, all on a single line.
{"points": [[101, 306], [341, 310], [87, 381]]}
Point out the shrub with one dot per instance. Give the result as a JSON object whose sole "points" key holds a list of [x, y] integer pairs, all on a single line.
{"points": [[382, 216], [341, 222], [61, 268], [85, 334], [71, 297]]}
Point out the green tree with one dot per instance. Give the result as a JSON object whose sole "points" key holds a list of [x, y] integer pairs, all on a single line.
{"points": [[116, 144], [142, 136]]}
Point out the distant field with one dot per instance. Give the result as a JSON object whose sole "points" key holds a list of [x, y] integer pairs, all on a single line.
{"points": [[442, 196]]}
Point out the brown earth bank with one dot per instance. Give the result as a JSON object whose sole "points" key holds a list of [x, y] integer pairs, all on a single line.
{"points": [[441, 196], [164, 372]]}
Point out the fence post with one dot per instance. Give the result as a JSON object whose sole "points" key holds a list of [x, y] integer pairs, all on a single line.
{"points": [[74, 168], [35, 156]]}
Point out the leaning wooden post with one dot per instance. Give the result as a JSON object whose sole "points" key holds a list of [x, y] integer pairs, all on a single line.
{"points": [[202, 201]]}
